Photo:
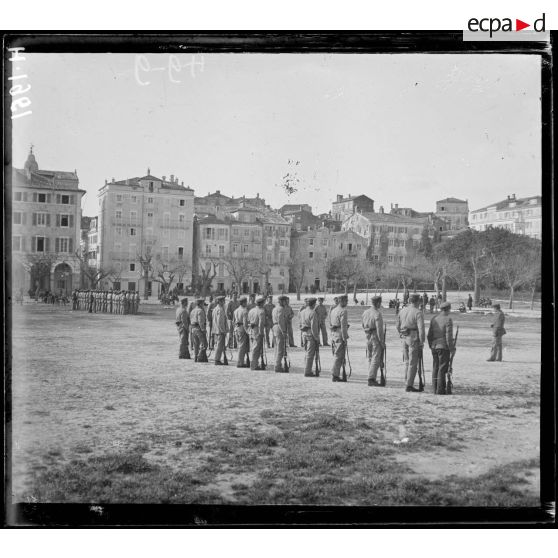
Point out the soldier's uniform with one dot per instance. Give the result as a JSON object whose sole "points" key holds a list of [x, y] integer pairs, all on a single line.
{"points": [[219, 329], [231, 308], [105, 301], [268, 308], [241, 331], [498, 330], [280, 335], [210, 309], [309, 326], [290, 315], [441, 343], [338, 318], [197, 326], [110, 301], [91, 301], [373, 325], [410, 326], [321, 313], [256, 318], [137, 303], [183, 327]]}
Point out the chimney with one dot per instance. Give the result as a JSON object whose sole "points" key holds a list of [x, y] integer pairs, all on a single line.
{"points": [[172, 177], [513, 196], [182, 183], [258, 195], [113, 179], [396, 206], [164, 178], [339, 197], [218, 192], [381, 209]]}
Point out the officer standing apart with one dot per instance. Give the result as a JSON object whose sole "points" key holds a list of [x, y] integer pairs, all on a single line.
{"points": [[410, 326], [197, 321], [241, 329], [183, 327], [373, 325], [268, 307], [231, 308], [498, 331], [290, 315], [470, 302], [442, 345], [339, 334], [280, 335], [321, 313], [219, 329], [309, 325], [256, 318]]}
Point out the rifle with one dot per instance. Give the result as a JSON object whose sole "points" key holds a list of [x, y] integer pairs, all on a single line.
{"points": [[263, 359], [347, 358], [449, 373], [318, 364], [383, 367], [421, 370], [286, 360]]}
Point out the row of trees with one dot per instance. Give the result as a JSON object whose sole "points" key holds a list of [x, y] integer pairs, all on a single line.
{"points": [[471, 260]]}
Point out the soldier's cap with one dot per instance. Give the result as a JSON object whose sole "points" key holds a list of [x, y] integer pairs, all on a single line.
{"points": [[343, 297], [445, 305], [495, 305], [184, 301], [242, 299], [220, 298], [415, 298], [282, 297], [321, 298], [311, 300], [200, 301], [377, 298], [260, 300]]}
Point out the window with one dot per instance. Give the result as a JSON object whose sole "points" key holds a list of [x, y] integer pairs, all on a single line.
{"points": [[235, 248], [376, 241], [235, 231], [132, 267], [151, 186], [282, 259], [43, 219], [134, 199], [281, 242], [350, 247], [180, 252], [62, 245], [64, 220], [390, 258], [325, 255], [324, 242], [245, 248], [131, 285], [119, 214], [181, 218], [282, 273], [133, 217], [132, 232], [17, 218], [310, 270], [150, 217], [207, 249], [221, 251], [118, 231], [42, 198], [246, 232], [310, 255], [310, 242], [118, 197], [40, 243], [149, 200], [17, 196], [182, 203], [209, 233], [16, 243]]}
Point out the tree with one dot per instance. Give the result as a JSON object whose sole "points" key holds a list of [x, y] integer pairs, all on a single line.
{"points": [[344, 269], [206, 276], [38, 265], [241, 268], [94, 275]]}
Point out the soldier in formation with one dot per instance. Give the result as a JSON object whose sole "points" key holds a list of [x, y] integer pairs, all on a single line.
{"points": [[183, 327], [290, 315], [256, 319], [441, 343], [198, 325], [280, 334], [339, 336], [106, 302], [220, 329], [309, 326], [321, 313], [241, 332], [232, 305], [410, 326], [373, 325]]}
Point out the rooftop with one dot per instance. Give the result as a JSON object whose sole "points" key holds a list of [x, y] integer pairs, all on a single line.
{"points": [[519, 202], [451, 200]]}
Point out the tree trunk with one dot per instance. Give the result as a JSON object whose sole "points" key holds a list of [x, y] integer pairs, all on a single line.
{"points": [[444, 289], [298, 293], [397, 289], [510, 306], [476, 289], [145, 278], [346, 287], [355, 290], [533, 297]]}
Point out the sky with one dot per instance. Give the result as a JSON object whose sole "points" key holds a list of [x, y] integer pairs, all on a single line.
{"points": [[401, 128]]}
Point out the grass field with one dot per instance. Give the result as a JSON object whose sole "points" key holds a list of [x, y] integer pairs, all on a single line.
{"points": [[104, 412]]}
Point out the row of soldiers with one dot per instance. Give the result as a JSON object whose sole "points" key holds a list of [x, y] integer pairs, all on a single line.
{"points": [[107, 302], [249, 329]]}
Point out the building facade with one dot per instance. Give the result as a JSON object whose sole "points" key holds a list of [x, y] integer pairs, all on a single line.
{"points": [[342, 208], [145, 233], [518, 215], [455, 212], [46, 224]]}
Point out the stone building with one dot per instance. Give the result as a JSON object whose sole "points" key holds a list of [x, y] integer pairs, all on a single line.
{"points": [[46, 219], [455, 212], [342, 208], [518, 215], [145, 233]]}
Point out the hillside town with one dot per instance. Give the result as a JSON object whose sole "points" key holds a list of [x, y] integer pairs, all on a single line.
{"points": [[152, 234]]}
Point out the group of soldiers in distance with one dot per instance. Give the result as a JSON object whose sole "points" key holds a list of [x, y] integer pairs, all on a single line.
{"points": [[245, 324], [106, 302]]}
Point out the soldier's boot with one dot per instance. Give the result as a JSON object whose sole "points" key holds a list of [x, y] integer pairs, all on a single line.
{"points": [[278, 369], [225, 360], [202, 356], [218, 363], [187, 354]]}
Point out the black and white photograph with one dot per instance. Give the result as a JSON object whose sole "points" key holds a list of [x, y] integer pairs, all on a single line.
{"points": [[254, 274]]}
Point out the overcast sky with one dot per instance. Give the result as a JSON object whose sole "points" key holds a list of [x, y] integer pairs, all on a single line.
{"points": [[400, 128]]}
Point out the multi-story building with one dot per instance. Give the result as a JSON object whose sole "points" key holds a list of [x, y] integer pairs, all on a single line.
{"points": [[392, 238], [46, 219], [276, 250], [301, 219], [145, 233], [518, 215], [342, 208], [455, 212]]}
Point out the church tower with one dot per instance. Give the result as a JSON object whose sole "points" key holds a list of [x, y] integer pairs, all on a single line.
{"points": [[31, 164]]}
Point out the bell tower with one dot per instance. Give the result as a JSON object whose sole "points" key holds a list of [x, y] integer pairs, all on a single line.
{"points": [[31, 164]]}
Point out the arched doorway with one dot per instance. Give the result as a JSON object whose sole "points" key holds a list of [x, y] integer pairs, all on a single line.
{"points": [[63, 279]]}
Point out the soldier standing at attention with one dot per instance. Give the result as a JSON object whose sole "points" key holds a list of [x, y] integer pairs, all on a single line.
{"points": [[251, 302], [197, 324], [212, 305], [220, 329], [339, 334], [441, 343], [321, 313], [268, 307], [498, 330], [241, 329], [183, 327], [335, 303], [280, 334], [231, 307], [137, 301], [256, 318], [410, 326], [290, 315], [309, 325], [373, 325]]}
